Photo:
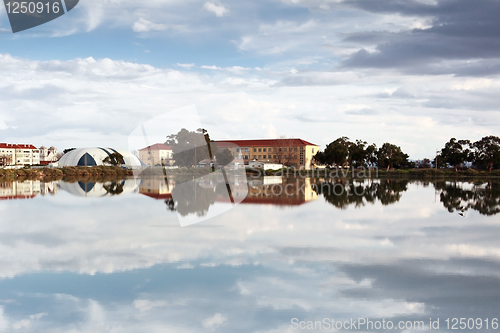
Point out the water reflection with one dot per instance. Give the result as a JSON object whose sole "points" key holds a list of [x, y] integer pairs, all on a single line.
{"points": [[343, 193], [483, 197], [197, 196], [70, 264]]}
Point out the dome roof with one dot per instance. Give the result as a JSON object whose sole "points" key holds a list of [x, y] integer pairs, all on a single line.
{"points": [[95, 156]]}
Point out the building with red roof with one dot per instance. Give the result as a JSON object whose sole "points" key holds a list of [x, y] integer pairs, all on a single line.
{"points": [[18, 154], [157, 154], [290, 152]]}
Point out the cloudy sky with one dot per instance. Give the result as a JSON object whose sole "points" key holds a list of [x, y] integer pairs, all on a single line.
{"points": [[413, 73]]}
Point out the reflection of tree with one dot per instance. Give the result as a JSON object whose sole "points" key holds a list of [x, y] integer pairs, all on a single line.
{"points": [[189, 198], [114, 188], [483, 198], [343, 193]]}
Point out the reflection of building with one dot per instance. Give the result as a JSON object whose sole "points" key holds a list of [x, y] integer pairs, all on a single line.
{"points": [[95, 156], [290, 152], [19, 190], [11, 154], [95, 190], [158, 154], [48, 155], [156, 188], [289, 192]]}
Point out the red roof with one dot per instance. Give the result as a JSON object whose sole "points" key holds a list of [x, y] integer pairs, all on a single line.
{"points": [[264, 143], [158, 196], [11, 146], [158, 146]]}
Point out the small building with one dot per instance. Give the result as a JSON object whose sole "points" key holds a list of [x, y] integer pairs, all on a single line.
{"points": [[157, 154], [18, 154], [264, 165]]}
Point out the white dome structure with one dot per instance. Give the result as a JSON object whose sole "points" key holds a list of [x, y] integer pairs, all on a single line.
{"points": [[95, 156]]}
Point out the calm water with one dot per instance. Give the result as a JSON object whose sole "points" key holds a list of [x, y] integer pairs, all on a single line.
{"points": [[113, 257]]}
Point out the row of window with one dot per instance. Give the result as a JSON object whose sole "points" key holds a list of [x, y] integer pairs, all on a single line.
{"points": [[264, 150], [274, 156]]}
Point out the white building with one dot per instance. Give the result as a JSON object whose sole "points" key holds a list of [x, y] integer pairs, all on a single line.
{"points": [[12, 154], [157, 154], [94, 157], [48, 155], [264, 165]]}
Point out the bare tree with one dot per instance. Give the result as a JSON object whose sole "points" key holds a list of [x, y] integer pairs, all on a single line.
{"points": [[285, 151]]}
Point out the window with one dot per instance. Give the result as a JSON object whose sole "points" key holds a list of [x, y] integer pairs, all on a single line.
{"points": [[255, 150], [295, 149], [284, 149], [264, 150], [260, 149], [313, 150], [259, 156], [274, 156]]}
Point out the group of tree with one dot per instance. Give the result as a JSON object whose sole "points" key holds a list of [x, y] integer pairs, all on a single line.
{"points": [[483, 154], [343, 153], [191, 147]]}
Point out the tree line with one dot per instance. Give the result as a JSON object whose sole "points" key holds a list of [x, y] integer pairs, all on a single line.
{"points": [[345, 153], [483, 154]]}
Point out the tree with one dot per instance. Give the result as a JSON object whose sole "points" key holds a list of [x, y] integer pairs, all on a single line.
{"points": [[224, 157], [284, 151], [390, 156], [337, 152], [65, 151], [371, 155], [455, 153], [114, 159], [424, 164], [358, 153], [190, 147], [487, 152]]}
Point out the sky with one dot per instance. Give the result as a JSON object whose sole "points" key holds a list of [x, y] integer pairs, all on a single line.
{"points": [[414, 73]]}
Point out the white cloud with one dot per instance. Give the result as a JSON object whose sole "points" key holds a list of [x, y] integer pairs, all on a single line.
{"points": [[185, 65], [218, 10], [143, 25], [214, 322], [144, 305]]}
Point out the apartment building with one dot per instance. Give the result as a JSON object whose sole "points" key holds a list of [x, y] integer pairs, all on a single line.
{"points": [[290, 152], [15, 154], [157, 154]]}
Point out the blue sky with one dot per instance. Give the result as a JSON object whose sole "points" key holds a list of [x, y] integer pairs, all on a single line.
{"points": [[414, 73]]}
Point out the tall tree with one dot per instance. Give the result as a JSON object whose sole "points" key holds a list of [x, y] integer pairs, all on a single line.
{"points": [[456, 153], [337, 152], [358, 153], [390, 156], [190, 147], [224, 157], [371, 155], [487, 152]]}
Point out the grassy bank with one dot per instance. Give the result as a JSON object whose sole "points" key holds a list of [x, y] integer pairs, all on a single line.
{"points": [[358, 173], [67, 173]]}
